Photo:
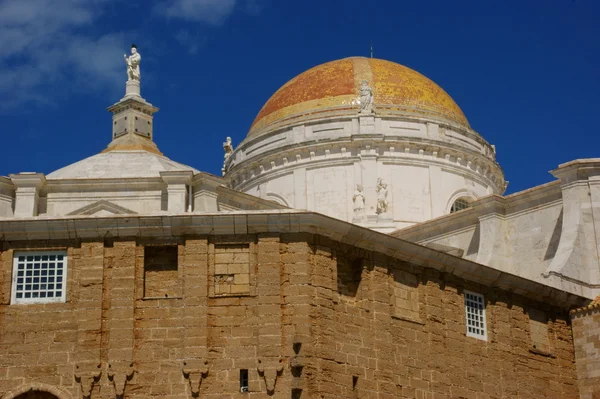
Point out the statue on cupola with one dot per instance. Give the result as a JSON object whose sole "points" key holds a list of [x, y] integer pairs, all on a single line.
{"points": [[133, 63], [365, 98]]}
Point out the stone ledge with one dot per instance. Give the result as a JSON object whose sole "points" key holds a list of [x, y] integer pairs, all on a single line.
{"points": [[408, 319], [542, 353]]}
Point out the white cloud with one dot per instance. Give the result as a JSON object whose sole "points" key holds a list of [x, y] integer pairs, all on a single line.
{"points": [[42, 42], [213, 12]]}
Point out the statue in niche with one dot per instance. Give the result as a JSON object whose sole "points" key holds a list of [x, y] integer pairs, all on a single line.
{"points": [[365, 98], [133, 64], [382, 192], [359, 199]]}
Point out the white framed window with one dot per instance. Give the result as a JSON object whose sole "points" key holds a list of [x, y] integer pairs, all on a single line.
{"points": [[475, 312], [39, 277]]}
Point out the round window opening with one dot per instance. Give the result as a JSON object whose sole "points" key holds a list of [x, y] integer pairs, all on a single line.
{"points": [[460, 204]]}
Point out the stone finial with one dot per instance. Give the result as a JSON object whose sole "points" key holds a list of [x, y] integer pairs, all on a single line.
{"points": [[87, 376], [195, 371], [270, 373], [119, 375]]}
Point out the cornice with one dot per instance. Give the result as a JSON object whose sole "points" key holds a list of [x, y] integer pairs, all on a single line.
{"points": [[285, 131], [283, 160], [277, 222]]}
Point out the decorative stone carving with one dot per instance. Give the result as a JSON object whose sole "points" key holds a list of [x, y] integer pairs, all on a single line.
{"points": [[87, 376], [382, 192], [195, 371], [359, 199], [133, 64], [365, 98], [270, 374], [119, 375]]}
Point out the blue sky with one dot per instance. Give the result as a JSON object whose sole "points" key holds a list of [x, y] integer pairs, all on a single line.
{"points": [[525, 73]]}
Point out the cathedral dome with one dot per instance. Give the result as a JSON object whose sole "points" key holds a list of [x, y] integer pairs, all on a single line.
{"points": [[367, 141], [333, 88]]}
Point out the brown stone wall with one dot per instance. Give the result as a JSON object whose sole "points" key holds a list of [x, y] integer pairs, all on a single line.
{"points": [[392, 353], [586, 337], [314, 319]]}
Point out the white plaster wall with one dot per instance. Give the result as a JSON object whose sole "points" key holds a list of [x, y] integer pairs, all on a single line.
{"points": [[6, 206], [415, 193], [148, 201], [327, 191], [528, 236], [411, 197], [280, 190]]}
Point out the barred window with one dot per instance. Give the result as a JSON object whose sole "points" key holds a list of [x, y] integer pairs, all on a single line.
{"points": [[475, 311], [460, 204], [39, 277]]}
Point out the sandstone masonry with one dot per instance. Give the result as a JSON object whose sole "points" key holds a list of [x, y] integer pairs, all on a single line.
{"points": [[304, 315]]}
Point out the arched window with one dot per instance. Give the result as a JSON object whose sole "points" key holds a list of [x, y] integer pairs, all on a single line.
{"points": [[460, 204]]}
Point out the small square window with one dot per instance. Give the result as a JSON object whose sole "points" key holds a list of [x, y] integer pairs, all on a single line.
{"points": [[475, 312], [31, 283]]}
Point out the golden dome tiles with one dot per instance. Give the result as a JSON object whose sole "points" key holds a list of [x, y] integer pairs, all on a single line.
{"points": [[335, 85]]}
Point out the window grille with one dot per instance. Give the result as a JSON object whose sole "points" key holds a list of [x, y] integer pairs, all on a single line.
{"points": [[39, 277], [475, 311], [459, 205]]}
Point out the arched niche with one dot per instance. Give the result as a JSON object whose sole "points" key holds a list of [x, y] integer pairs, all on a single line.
{"points": [[36, 391]]}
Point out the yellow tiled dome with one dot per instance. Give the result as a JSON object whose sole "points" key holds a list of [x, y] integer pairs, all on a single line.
{"points": [[334, 87]]}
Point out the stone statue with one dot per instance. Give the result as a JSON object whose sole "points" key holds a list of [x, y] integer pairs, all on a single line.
{"points": [[133, 64], [227, 147], [359, 199], [382, 192], [365, 98]]}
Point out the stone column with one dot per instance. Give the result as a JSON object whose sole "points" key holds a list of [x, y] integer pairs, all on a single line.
{"points": [[28, 193], [177, 189]]}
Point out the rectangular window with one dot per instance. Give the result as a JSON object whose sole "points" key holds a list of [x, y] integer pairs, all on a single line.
{"points": [[243, 380], [39, 277], [475, 311]]}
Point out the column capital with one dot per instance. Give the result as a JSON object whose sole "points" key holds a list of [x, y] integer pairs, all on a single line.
{"points": [[28, 180]]}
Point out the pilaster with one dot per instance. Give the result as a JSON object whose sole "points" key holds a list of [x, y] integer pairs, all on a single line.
{"points": [[177, 182]]}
